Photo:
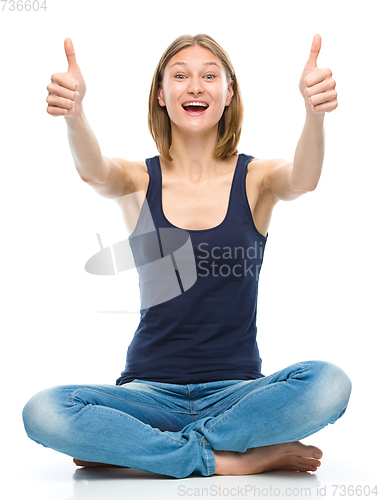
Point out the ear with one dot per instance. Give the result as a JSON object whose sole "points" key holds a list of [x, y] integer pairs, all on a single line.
{"points": [[230, 93], [160, 96]]}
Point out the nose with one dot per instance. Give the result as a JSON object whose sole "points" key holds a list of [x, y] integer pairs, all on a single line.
{"points": [[195, 86]]}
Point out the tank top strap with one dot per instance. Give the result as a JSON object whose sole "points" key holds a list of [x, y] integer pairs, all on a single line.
{"points": [[239, 201], [148, 220], [152, 193]]}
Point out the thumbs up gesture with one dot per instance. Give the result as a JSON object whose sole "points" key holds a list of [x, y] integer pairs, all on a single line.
{"points": [[316, 84], [66, 90]]}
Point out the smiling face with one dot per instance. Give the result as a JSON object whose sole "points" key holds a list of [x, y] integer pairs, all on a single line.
{"points": [[201, 76]]}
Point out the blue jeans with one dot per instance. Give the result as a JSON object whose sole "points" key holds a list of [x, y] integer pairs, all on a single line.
{"points": [[172, 429]]}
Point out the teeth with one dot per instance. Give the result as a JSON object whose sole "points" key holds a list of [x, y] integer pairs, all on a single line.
{"points": [[195, 104]]}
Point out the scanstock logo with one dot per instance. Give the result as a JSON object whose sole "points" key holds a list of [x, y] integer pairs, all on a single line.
{"points": [[159, 271]]}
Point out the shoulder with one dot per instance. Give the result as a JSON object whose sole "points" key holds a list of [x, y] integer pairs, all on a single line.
{"points": [[140, 176], [258, 171], [273, 177], [133, 175]]}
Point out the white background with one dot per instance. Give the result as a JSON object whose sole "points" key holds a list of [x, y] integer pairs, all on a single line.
{"points": [[319, 281]]}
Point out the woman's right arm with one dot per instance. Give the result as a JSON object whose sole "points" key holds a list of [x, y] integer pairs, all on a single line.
{"points": [[109, 177]]}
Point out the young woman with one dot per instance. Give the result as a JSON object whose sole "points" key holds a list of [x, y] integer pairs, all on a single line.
{"points": [[192, 398]]}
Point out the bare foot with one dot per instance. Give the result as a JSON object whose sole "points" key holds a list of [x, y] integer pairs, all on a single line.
{"points": [[290, 456], [82, 463]]}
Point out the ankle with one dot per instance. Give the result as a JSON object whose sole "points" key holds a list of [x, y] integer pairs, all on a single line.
{"points": [[225, 460]]}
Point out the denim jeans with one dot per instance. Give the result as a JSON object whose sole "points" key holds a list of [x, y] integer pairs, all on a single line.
{"points": [[172, 429]]}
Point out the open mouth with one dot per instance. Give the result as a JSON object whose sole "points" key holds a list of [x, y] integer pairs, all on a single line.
{"points": [[194, 109]]}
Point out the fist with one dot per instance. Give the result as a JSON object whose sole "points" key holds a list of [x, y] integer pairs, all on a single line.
{"points": [[66, 90]]}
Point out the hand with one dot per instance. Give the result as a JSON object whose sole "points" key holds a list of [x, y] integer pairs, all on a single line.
{"points": [[66, 90], [316, 84]]}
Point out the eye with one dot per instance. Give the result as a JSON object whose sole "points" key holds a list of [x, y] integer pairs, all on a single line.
{"points": [[180, 74]]}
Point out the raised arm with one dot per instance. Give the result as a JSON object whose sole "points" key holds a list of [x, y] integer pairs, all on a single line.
{"points": [[110, 177], [289, 180]]}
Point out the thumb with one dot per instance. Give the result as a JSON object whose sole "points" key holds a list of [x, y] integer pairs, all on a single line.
{"points": [[314, 52], [70, 54]]}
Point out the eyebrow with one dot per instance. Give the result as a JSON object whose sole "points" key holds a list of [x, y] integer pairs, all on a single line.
{"points": [[183, 63]]}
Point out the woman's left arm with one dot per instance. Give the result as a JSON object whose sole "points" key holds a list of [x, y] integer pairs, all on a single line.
{"points": [[318, 89], [288, 180]]}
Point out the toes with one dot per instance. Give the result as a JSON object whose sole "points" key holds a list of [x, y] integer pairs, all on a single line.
{"points": [[315, 452], [80, 463], [306, 468], [308, 464], [313, 466]]}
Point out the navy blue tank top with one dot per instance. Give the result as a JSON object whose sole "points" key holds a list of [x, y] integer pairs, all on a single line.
{"points": [[198, 311]]}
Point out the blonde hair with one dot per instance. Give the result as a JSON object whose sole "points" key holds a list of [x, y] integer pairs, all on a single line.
{"points": [[230, 124]]}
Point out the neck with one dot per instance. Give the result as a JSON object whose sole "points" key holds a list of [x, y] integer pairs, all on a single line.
{"points": [[192, 155]]}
